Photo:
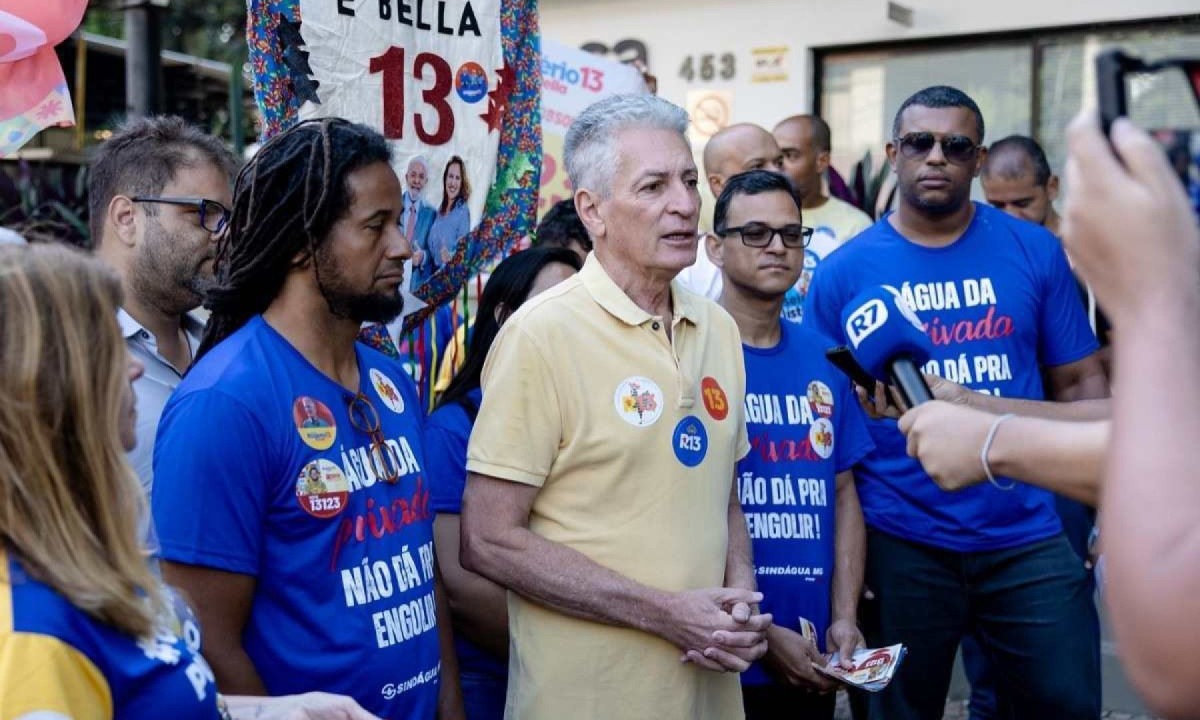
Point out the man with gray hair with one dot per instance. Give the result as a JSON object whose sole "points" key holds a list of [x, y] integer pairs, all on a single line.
{"points": [[600, 487], [418, 214]]}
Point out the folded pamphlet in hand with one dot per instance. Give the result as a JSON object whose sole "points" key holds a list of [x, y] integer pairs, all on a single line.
{"points": [[873, 668]]}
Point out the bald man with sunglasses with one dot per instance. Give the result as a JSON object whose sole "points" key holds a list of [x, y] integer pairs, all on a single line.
{"points": [[997, 298]]}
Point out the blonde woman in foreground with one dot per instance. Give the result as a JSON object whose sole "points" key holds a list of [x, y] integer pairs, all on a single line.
{"points": [[86, 631]]}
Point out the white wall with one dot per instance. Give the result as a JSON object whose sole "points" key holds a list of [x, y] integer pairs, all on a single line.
{"points": [[673, 29]]}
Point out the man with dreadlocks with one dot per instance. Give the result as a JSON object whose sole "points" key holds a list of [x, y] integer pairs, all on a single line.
{"points": [[327, 585]]}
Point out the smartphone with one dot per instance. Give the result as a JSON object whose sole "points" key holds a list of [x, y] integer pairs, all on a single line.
{"points": [[843, 360], [1113, 65]]}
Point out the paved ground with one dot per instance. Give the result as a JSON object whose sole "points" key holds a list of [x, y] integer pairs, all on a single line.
{"points": [[957, 710], [1120, 701]]}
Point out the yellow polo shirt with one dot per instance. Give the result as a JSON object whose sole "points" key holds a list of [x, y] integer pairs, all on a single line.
{"points": [[633, 439]]}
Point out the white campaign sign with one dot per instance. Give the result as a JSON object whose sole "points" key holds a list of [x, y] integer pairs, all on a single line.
{"points": [[572, 80], [419, 71]]}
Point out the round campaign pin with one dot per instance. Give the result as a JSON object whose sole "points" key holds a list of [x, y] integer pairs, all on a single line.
{"points": [[639, 401], [690, 441], [715, 400], [321, 489], [821, 437], [471, 82], [821, 398], [387, 391], [314, 422]]}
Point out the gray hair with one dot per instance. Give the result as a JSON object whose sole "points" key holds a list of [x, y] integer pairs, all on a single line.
{"points": [[418, 160], [589, 154]]}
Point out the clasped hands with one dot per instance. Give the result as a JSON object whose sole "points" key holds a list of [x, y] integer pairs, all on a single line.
{"points": [[718, 629]]}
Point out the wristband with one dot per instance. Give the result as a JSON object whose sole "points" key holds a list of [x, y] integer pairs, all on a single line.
{"points": [[987, 446]]}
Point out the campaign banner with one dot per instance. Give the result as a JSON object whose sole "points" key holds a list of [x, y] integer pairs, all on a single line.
{"points": [[572, 80], [452, 84]]}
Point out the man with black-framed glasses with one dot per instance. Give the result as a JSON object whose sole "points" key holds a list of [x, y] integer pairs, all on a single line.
{"points": [[997, 298], [158, 193], [806, 432]]}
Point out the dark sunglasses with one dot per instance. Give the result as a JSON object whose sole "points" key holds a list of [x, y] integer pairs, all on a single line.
{"points": [[213, 215], [958, 149], [760, 235], [365, 419]]}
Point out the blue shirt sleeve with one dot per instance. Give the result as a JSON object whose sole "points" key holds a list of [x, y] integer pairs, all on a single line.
{"points": [[1064, 333], [446, 434], [212, 469]]}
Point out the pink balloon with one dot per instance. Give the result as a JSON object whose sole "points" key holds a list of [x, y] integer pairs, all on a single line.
{"points": [[29, 69], [55, 19]]}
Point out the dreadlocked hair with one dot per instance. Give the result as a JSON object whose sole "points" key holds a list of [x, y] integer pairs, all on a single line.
{"points": [[286, 200]]}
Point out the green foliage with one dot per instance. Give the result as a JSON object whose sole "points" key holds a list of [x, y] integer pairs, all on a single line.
{"points": [[45, 201], [215, 29], [865, 186]]}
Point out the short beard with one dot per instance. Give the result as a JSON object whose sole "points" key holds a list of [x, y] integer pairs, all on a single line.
{"points": [[160, 280], [939, 209], [344, 303]]}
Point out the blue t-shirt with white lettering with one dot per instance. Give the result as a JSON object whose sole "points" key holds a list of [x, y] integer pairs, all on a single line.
{"points": [[260, 471], [999, 304], [61, 661], [805, 426]]}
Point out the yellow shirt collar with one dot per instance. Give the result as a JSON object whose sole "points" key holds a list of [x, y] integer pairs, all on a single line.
{"points": [[614, 300]]}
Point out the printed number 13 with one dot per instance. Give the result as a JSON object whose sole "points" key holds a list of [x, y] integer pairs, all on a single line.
{"points": [[715, 398], [593, 79], [391, 64]]}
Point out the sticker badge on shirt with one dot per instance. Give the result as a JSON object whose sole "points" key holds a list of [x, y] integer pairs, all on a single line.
{"points": [[715, 401], [387, 391], [321, 489], [314, 422], [690, 441], [821, 437], [821, 398], [639, 401]]}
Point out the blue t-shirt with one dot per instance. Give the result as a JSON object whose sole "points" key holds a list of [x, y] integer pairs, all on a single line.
{"points": [[52, 651], [805, 426], [446, 434], [259, 471], [999, 304]]}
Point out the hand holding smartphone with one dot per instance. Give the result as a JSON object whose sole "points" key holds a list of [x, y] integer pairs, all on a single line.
{"points": [[843, 360]]}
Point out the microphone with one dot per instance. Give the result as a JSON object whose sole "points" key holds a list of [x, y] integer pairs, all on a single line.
{"points": [[889, 341]]}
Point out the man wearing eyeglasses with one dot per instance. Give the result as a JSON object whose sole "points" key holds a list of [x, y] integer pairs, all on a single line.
{"points": [[729, 151], [806, 431], [998, 301], [158, 196]]}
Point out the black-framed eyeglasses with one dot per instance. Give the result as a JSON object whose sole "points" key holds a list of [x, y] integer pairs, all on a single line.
{"points": [[365, 419], [958, 149], [760, 235], [214, 216]]}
